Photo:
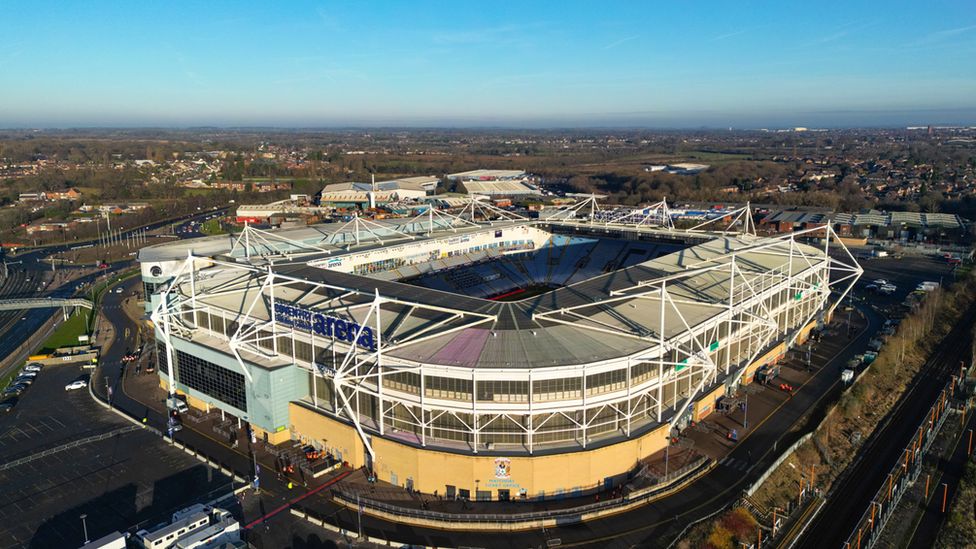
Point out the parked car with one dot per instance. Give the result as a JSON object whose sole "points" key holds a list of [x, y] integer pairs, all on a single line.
{"points": [[32, 367], [77, 384], [8, 405], [14, 390], [23, 380]]}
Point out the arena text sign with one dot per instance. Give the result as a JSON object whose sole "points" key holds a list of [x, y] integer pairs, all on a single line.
{"points": [[325, 325]]}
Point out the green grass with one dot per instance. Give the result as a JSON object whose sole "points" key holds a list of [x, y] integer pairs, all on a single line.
{"points": [[710, 156], [5, 380], [211, 227], [66, 335], [197, 192]]}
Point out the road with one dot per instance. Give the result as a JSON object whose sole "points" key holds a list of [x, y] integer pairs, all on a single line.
{"points": [[852, 493], [649, 526], [25, 279], [653, 525]]}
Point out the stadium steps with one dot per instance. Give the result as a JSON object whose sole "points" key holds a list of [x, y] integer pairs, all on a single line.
{"points": [[516, 262], [550, 261], [600, 257], [570, 261], [510, 269]]}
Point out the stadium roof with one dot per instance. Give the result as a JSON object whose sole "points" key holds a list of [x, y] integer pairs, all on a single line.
{"points": [[325, 238], [423, 325]]}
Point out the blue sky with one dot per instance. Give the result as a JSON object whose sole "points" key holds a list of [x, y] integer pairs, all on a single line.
{"points": [[507, 63]]}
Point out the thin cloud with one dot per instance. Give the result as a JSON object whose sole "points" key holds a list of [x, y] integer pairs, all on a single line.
{"points": [[954, 32], [502, 34], [328, 20], [941, 36], [624, 40], [729, 35], [843, 31], [832, 37]]}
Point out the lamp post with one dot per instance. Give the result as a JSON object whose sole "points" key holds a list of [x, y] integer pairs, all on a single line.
{"points": [[667, 450], [745, 413], [84, 525]]}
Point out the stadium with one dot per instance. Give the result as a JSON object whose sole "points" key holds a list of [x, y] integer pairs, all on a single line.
{"points": [[481, 354]]}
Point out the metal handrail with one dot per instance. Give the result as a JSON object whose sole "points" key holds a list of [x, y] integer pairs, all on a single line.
{"points": [[355, 499]]}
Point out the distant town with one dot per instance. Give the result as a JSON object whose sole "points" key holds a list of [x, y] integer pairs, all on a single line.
{"points": [[911, 184]]}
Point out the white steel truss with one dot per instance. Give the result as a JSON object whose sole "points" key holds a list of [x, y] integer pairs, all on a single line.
{"points": [[741, 216], [749, 310], [656, 214], [268, 244], [486, 211]]}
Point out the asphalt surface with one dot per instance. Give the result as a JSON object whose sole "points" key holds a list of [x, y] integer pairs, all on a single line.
{"points": [[109, 480], [280, 530], [45, 493]]}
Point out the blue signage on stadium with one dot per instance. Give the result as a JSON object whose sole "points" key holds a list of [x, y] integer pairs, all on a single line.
{"points": [[325, 325]]}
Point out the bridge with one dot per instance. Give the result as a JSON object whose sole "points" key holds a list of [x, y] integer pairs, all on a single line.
{"points": [[43, 303]]}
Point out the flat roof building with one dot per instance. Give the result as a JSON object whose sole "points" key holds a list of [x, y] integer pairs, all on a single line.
{"points": [[427, 182], [486, 175], [499, 187]]}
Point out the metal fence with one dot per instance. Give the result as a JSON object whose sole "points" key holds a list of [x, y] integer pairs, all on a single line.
{"points": [[868, 530], [571, 513], [68, 446]]}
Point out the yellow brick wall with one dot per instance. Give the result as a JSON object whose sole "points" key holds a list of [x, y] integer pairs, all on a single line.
{"points": [[432, 470], [335, 436], [706, 404], [274, 438], [771, 356]]}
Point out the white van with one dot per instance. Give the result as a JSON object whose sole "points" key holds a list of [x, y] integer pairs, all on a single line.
{"points": [[174, 403]]}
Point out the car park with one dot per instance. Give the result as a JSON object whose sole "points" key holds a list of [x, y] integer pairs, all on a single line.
{"points": [[77, 384]]}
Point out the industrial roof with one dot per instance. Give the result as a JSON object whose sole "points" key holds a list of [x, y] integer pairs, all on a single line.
{"points": [[390, 186], [488, 174], [873, 217], [499, 187]]}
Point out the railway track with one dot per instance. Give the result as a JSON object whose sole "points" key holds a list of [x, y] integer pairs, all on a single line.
{"points": [[852, 492]]}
